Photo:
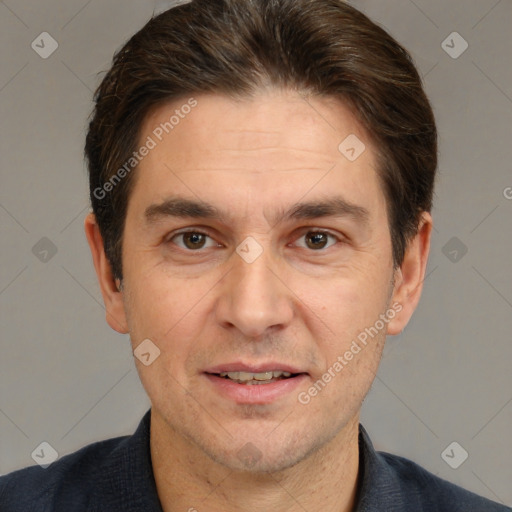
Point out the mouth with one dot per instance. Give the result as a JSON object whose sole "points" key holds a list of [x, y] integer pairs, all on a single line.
{"points": [[248, 384], [259, 378]]}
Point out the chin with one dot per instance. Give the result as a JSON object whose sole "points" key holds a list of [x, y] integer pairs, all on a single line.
{"points": [[265, 455], [250, 459]]}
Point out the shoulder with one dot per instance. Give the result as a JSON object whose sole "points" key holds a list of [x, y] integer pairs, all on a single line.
{"points": [[432, 493], [67, 482], [390, 482]]}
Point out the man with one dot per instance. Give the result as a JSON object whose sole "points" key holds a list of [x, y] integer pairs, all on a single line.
{"points": [[261, 177]]}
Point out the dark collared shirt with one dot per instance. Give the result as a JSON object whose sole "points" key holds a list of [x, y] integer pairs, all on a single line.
{"points": [[116, 476]]}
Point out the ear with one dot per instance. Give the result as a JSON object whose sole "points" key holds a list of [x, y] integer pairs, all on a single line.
{"points": [[112, 296], [410, 275]]}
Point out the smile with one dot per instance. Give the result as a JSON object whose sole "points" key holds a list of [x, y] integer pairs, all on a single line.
{"points": [[254, 384], [250, 378]]}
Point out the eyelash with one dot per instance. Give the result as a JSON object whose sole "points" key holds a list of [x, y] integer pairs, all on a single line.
{"points": [[199, 232]]}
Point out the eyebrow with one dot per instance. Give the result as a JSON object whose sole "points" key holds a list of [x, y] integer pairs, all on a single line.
{"points": [[188, 208]]}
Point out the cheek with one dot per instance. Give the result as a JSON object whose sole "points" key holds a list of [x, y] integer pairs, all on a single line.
{"points": [[350, 301], [158, 303], [174, 314], [159, 312], [349, 334], [351, 351]]}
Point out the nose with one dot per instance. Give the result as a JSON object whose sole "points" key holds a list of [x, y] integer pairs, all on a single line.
{"points": [[254, 297]]}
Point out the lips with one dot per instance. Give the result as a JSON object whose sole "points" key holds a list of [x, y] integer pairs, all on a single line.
{"points": [[254, 374], [253, 368], [255, 378], [254, 383]]}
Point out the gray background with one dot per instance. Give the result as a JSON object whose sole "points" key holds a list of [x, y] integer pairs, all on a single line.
{"points": [[67, 379]]}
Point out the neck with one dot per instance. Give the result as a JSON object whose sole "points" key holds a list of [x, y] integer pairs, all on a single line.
{"points": [[187, 479]]}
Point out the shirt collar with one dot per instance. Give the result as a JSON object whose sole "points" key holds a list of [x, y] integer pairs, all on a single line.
{"points": [[379, 487], [130, 485]]}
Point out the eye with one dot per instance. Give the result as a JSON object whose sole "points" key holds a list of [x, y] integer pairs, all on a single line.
{"points": [[317, 240], [192, 240]]}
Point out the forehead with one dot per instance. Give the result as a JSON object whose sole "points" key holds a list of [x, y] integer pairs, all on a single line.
{"points": [[277, 144], [270, 118]]}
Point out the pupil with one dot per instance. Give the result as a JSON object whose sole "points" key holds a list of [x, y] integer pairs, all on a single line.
{"points": [[194, 240], [315, 238]]}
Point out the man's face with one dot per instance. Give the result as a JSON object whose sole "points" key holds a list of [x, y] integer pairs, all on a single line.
{"points": [[292, 298]]}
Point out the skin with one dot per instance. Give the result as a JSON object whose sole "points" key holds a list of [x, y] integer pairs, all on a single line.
{"points": [[294, 304]]}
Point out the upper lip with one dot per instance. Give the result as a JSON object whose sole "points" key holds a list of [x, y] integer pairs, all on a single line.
{"points": [[253, 368]]}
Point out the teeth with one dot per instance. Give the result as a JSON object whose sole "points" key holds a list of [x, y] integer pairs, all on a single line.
{"points": [[247, 376]]}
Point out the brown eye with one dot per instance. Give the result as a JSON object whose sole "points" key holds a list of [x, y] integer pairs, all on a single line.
{"points": [[192, 240], [317, 240]]}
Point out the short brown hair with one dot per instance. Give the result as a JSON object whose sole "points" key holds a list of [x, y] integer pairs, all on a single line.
{"points": [[235, 47]]}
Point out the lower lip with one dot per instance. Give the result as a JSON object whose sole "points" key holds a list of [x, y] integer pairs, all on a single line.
{"points": [[255, 393]]}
